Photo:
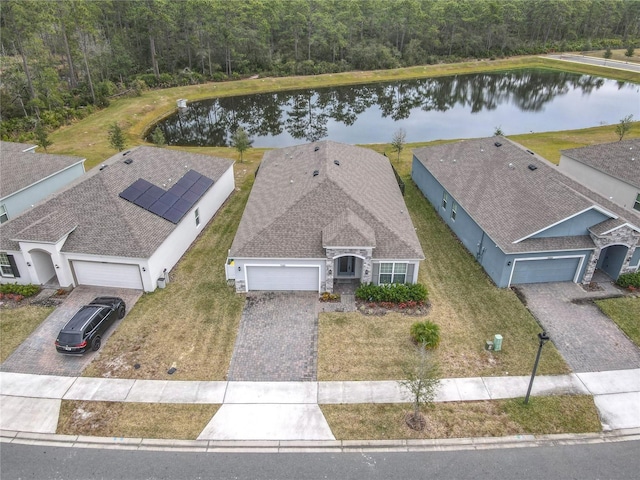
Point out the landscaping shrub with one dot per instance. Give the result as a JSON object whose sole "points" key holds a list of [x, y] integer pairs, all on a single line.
{"points": [[426, 333], [627, 280], [394, 293], [23, 290]]}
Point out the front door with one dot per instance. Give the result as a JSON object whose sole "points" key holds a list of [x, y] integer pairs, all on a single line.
{"points": [[346, 266]]}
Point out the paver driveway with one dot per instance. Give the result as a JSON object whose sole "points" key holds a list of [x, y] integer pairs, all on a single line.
{"points": [[38, 355], [587, 339], [278, 338]]}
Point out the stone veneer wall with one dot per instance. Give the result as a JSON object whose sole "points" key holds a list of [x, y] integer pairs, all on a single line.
{"points": [[621, 236], [333, 253]]}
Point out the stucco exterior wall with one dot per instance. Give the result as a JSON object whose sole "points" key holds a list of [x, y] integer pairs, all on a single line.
{"points": [[610, 187], [23, 199]]}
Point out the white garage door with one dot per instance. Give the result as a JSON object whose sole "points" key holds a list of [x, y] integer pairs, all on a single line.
{"points": [[283, 278], [107, 274]]}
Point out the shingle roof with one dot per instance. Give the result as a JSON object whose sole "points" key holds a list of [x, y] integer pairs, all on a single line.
{"points": [[289, 207], [618, 159], [507, 199], [105, 223], [16, 147], [19, 169]]}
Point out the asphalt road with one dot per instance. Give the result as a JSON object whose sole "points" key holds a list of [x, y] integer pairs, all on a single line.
{"points": [[601, 62], [589, 461]]}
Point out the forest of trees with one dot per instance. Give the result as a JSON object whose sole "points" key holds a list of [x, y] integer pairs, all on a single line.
{"points": [[63, 58]]}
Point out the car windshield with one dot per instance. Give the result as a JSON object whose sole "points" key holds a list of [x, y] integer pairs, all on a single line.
{"points": [[71, 338]]}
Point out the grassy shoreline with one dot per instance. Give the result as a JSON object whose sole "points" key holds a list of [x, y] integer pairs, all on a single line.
{"points": [[88, 139]]}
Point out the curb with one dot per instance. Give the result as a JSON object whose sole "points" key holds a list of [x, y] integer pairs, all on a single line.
{"points": [[298, 446]]}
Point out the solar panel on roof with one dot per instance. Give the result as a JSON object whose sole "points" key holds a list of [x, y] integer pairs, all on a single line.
{"points": [[173, 204], [173, 215], [159, 208]]}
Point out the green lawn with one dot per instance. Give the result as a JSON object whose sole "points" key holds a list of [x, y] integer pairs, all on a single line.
{"points": [[625, 312], [16, 324]]}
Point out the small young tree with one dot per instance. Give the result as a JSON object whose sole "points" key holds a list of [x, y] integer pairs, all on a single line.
{"points": [[116, 137], [498, 131], [398, 141], [42, 137], [630, 51], [421, 375], [240, 141], [157, 137], [607, 53], [624, 126]]}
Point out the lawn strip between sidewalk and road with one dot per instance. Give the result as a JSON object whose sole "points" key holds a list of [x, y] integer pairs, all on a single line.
{"points": [[495, 418]]}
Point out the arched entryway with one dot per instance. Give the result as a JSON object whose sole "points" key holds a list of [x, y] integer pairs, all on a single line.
{"points": [[612, 259], [44, 267]]}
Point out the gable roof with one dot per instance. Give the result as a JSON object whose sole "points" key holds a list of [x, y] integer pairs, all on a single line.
{"points": [[620, 160], [510, 201], [291, 211], [21, 169], [102, 223], [16, 147]]}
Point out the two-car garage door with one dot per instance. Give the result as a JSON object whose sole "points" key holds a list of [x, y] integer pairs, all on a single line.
{"points": [[276, 277], [562, 269], [107, 274]]}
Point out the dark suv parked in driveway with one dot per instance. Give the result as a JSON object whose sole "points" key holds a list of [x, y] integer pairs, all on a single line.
{"points": [[85, 329]]}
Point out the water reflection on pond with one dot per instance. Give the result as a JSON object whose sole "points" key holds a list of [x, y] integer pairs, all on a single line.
{"points": [[433, 108]]}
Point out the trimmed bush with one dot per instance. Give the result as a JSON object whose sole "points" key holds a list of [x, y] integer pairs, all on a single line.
{"points": [[627, 280], [426, 333], [24, 290], [394, 292]]}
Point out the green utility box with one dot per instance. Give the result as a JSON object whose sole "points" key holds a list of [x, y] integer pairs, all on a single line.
{"points": [[497, 343]]}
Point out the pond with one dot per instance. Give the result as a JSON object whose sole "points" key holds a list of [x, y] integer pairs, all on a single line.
{"points": [[461, 106]]}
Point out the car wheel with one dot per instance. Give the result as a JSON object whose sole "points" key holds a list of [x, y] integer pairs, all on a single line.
{"points": [[95, 345], [121, 311]]}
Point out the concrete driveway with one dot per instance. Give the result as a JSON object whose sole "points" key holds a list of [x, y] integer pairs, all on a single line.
{"points": [[37, 354], [587, 339], [277, 339]]}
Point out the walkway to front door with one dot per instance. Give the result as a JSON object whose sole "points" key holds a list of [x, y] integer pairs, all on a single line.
{"points": [[277, 339]]}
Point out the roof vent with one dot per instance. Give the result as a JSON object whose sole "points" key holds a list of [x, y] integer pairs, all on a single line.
{"points": [[316, 149], [529, 151], [102, 167], [126, 153], [532, 167], [129, 161], [316, 173], [512, 166], [337, 162], [498, 144]]}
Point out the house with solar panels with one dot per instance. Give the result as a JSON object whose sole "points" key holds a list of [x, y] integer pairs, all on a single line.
{"points": [[124, 224]]}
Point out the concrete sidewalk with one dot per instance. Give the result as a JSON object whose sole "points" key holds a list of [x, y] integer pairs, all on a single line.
{"points": [[289, 410]]}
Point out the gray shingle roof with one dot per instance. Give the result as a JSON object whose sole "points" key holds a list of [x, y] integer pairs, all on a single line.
{"points": [[105, 223], [16, 147], [511, 202], [19, 169], [289, 207], [618, 159]]}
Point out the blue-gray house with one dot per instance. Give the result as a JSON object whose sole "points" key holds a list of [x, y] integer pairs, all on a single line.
{"points": [[524, 220]]}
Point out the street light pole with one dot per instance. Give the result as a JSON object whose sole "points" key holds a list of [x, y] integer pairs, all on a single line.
{"points": [[543, 338]]}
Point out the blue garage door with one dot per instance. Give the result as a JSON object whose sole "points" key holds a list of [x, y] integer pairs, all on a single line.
{"points": [[545, 270]]}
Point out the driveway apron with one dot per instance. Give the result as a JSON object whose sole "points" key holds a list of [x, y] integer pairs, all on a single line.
{"points": [[38, 355], [278, 338], [587, 339]]}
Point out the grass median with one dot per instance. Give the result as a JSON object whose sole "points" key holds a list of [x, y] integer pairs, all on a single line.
{"points": [[496, 418]]}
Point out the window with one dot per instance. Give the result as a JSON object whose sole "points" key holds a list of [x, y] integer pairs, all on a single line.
{"points": [[392, 273], [197, 217], [636, 206], [454, 211], [445, 200], [5, 266], [4, 216]]}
